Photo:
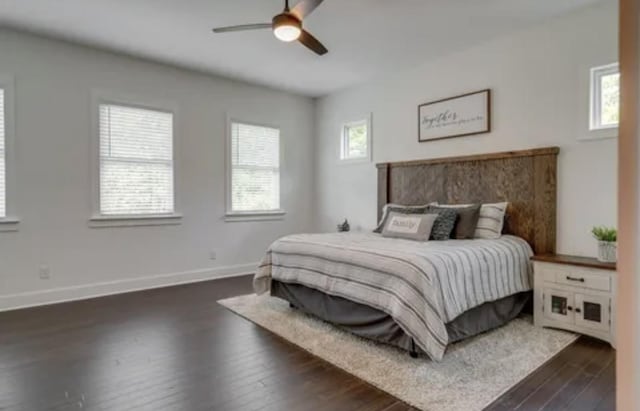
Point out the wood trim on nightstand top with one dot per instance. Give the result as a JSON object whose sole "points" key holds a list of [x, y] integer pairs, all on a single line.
{"points": [[573, 260]]}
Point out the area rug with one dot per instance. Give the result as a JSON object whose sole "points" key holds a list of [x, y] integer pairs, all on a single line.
{"points": [[472, 374]]}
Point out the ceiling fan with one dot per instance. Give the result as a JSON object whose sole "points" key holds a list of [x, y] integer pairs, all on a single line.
{"points": [[287, 26]]}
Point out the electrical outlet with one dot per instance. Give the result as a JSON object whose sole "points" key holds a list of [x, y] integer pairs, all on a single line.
{"points": [[212, 255], [45, 272]]}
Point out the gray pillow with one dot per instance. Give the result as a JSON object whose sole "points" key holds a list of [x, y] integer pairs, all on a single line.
{"points": [[466, 222], [443, 226], [491, 220], [419, 209], [409, 226]]}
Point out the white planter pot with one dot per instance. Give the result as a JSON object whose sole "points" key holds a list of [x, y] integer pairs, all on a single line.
{"points": [[607, 251]]}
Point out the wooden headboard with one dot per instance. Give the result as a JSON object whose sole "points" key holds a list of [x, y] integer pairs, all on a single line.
{"points": [[526, 178]]}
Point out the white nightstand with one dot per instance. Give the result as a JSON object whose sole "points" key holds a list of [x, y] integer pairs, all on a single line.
{"points": [[576, 294]]}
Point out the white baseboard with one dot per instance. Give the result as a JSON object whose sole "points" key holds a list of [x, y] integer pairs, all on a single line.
{"points": [[86, 291]]}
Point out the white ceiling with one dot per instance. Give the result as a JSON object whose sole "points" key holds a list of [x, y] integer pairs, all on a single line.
{"points": [[365, 38]]}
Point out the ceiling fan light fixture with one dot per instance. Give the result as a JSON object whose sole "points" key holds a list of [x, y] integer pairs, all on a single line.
{"points": [[287, 27]]}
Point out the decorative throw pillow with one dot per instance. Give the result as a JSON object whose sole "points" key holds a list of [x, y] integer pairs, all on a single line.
{"points": [[419, 209], [409, 226], [443, 226], [466, 222], [491, 220]]}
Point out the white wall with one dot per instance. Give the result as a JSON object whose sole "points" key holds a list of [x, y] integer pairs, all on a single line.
{"points": [[539, 79], [53, 83]]}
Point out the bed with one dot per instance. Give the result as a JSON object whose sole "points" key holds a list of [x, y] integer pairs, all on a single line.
{"points": [[422, 296]]}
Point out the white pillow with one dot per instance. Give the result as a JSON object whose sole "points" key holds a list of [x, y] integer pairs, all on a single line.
{"points": [[491, 221]]}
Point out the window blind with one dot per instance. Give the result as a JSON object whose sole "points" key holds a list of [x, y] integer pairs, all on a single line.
{"points": [[136, 161], [255, 168], [3, 159]]}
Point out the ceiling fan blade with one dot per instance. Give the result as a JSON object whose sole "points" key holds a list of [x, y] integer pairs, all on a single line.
{"points": [[242, 27], [305, 7], [312, 43]]}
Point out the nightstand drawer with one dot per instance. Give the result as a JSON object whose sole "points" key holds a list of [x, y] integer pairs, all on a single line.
{"points": [[579, 278]]}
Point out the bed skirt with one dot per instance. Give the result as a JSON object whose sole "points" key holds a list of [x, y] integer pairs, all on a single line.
{"points": [[374, 324]]}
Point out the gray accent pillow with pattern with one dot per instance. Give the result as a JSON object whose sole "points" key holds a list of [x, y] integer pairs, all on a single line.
{"points": [[443, 226], [409, 226]]}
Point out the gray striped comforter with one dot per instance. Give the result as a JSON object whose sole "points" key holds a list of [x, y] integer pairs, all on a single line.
{"points": [[421, 285]]}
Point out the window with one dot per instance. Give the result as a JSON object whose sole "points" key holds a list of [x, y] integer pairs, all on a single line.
{"points": [[3, 156], [136, 162], [605, 97], [8, 222], [356, 141], [255, 169]]}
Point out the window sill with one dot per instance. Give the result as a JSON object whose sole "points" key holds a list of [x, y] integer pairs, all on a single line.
{"points": [[600, 134], [9, 224], [257, 216], [361, 160], [135, 221]]}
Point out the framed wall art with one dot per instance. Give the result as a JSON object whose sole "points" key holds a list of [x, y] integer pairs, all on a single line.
{"points": [[457, 116]]}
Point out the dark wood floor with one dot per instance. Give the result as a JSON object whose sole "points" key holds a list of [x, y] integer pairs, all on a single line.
{"points": [[176, 349]]}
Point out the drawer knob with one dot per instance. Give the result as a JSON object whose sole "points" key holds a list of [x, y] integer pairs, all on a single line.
{"points": [[581, 280]]}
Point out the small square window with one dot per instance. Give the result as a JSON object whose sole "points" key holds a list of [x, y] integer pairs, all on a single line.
{"points": [[605, 97], [356, 141]]}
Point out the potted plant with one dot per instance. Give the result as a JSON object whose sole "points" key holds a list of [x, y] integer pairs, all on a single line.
{"points": [[607, 243]]}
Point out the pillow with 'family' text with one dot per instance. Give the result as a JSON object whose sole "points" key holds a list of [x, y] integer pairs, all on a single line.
{"points": [[409, 226], [417, 209]]}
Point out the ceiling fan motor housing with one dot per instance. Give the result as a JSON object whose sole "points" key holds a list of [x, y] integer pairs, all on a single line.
{"points": [[287, 20]]}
